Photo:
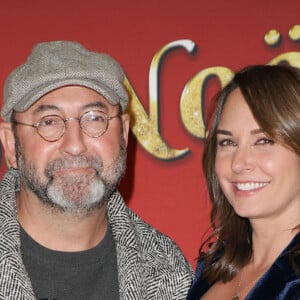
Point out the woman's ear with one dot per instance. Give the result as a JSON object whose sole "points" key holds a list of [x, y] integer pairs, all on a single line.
{"points": [[8, 142]]}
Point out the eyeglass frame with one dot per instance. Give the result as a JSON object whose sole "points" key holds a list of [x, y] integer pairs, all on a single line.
{"points": [[36, 124]]}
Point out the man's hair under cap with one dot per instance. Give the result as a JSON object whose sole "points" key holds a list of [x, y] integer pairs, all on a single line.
{"points": [[52, 65]]}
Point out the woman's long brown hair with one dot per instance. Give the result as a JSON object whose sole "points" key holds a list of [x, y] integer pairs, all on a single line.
{"points": [[273, 96]]}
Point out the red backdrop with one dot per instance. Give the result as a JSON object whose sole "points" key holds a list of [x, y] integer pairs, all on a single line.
{"points": [[151, 39]]}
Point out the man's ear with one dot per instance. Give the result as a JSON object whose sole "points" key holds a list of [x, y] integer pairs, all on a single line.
{"points": [[8, 142], [126, 126]]}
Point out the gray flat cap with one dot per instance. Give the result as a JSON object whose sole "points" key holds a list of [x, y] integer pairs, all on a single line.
{"points": [[61, 63]]}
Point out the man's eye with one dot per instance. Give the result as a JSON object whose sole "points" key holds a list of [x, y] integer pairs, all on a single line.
{"points": [[49, 122], [95, 118]]}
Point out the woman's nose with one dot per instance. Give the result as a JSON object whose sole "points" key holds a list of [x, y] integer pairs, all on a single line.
{"points": [[243, 159]]}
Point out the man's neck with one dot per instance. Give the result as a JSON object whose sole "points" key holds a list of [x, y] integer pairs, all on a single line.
{"points": [[58, 230]]}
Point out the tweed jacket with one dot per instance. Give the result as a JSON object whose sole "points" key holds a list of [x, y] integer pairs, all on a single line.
{"points": [[150, 265]]}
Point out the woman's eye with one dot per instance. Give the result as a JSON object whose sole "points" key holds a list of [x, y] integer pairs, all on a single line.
{"points": [[226, 142], [264, 141]]}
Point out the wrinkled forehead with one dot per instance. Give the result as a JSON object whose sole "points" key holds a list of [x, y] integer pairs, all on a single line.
{"points": [[72, 100]]}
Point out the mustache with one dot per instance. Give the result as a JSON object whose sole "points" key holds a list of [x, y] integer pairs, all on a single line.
{"points": [[74, 162]]}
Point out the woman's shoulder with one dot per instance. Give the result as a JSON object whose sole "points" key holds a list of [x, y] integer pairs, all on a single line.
{"points": [[199, 268], [200, 285]]}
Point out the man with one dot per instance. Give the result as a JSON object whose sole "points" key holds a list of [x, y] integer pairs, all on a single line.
{"points": [[65, 231]]}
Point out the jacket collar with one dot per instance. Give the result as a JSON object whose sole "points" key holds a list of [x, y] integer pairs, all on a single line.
{"points": [[281, 280]]}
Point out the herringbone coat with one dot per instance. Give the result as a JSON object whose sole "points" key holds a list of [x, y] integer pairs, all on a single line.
{"points": [[150, 265]]}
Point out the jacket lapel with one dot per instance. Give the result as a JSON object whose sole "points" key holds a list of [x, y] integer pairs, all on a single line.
{"points": [[280, 281], [14, 281]]}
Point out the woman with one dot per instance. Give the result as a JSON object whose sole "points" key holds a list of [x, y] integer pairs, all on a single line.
{"points": [[251, 163]]}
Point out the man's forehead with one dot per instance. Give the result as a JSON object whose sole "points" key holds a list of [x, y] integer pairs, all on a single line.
{"points": [[70, 98]]}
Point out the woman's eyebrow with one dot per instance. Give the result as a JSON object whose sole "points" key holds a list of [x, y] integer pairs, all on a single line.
{"points": [[256, 131], [225, 132]]}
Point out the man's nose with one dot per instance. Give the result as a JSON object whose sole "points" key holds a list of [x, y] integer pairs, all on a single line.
{"points": [[73, 140]]}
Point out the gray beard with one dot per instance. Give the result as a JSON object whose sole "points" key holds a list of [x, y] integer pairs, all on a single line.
{"points": [[75, 194]]}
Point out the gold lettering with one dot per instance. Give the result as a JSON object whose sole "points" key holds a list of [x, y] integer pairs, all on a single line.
{"points": [[292, 58], [144, 127], [192, 98], [146, 132]]}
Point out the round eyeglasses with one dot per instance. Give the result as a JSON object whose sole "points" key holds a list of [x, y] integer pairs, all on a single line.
{"points": [[51, 128]]}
